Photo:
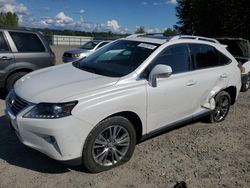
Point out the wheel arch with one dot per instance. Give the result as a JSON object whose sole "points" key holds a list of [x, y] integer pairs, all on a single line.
{"points": [[232, 91], [134, 119], [28, 70]]}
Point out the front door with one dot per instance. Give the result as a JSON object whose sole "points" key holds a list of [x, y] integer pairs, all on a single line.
{"points": [[175, 97]]}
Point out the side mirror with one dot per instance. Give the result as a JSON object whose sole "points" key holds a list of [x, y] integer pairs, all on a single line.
{"points": [[159, 71]]}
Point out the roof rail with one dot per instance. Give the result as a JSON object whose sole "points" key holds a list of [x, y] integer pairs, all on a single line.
{"points": [[178, 37], [15, 28], [136, 35]]}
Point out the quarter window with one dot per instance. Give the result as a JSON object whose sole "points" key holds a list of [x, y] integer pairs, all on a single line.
{"points": [[27, 42], [3, 45], [205, 56], [177, 57], [224, 60]]}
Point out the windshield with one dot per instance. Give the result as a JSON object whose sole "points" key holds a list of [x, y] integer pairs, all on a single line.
{"points": [[118, 58], [89, 45]]}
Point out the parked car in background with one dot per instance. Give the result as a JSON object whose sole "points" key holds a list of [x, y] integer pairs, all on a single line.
{"points": [[22, 51], [240, 49], [127, 91], [83, 51]]}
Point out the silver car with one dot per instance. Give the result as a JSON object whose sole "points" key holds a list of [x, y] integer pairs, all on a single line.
{"points": [[83, 51]]}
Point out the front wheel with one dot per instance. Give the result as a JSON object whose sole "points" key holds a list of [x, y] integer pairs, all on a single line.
{"points": [[222, 106], [110, 143]]}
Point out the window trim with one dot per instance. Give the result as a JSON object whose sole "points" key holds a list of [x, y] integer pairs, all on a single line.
{"points": [[34, 33], [7, 43]]}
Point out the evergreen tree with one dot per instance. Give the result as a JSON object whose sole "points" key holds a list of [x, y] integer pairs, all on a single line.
{"points": [[214, 18], [8, 19]]}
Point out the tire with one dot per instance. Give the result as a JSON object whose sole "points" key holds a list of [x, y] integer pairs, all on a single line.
{"points": [[221, 110], [11, 80], [245, 86], [102, 152]]}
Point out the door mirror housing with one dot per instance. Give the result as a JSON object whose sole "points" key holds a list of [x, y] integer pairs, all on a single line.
{"points": [[159, 71]]}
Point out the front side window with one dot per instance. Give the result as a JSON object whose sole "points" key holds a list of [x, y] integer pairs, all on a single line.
{"points": [[118, 58], [27, 42], [3, 45], [205, 56], [176, 56]]}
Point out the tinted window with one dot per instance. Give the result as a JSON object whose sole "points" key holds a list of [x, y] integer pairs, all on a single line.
{"points": [[117, 59], [3, 45], [176, 56], [89, 45], [205, 56], [27, 42], [238, 48], [223, 60]]}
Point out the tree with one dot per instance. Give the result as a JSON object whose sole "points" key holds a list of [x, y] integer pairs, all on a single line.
{"points": [[169, 32], [8, 19], [214, 18], [139, 30]]}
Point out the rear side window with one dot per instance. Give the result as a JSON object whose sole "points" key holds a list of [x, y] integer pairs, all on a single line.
{"points": [[102, 44], [27, 42], [176, 56], [3, 45], [205, 56]]}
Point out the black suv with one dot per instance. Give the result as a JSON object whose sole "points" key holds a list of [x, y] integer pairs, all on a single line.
{"points": [[240, 49], [22, 51]]}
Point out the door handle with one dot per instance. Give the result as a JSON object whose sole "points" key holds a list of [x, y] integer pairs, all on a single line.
{"points": [[223, 76], [5, 58], [191, 83]]}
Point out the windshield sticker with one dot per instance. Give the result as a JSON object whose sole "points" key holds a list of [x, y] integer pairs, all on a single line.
{"points": [[149, 46]]}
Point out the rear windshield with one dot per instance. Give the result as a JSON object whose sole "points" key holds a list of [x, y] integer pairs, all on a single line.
{"points": [[117, 59]]}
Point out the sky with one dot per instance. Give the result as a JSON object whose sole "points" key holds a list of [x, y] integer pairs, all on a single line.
{"points": [[94, 15]]}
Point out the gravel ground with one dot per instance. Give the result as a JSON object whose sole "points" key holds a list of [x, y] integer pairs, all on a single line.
{"points": [[203, 155]]}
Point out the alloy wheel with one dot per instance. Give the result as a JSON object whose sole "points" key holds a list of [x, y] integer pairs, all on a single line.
{"points": [[111, 145], [222, 107]]}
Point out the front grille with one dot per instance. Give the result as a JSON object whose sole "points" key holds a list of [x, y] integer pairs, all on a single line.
{"points": [[16, 104], [67, 54]]}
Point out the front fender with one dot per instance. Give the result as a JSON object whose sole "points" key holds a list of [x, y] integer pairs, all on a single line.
{"points": [[99, 106]]}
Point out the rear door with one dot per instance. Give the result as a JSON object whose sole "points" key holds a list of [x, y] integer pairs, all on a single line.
{"points": [[7, 60], [209, 72], [30, 49]]}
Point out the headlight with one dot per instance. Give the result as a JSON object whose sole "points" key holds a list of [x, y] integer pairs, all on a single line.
{"points": [[51, 111], [77, 55]]}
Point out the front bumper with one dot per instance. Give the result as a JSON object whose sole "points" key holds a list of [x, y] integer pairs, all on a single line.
{"points": [[61, 139]]}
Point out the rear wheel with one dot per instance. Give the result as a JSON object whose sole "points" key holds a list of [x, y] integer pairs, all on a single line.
{"points": [[245, 86], [11, 80], [222, 106], [110, 144]]}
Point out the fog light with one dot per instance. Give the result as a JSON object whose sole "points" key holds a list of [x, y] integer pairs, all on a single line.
{"points": [[50, 139]]}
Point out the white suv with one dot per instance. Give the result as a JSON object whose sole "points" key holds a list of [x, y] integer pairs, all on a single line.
{"points": [[95, 111]]}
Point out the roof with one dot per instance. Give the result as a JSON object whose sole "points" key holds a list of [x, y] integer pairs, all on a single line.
{"points": [[160, 38]]}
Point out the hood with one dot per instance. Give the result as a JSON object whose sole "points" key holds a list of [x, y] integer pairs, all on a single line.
{"points": [[58, 83], [77, 51]]}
